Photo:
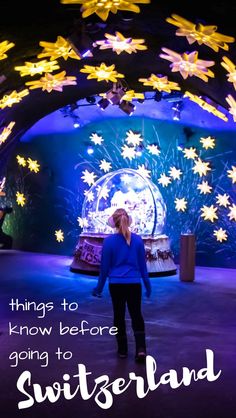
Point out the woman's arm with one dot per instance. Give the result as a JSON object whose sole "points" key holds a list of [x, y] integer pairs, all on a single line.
{"points": [[104, 268], [143, 268]]}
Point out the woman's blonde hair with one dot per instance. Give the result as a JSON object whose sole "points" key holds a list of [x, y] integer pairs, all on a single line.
{"points": [[122, 222]]}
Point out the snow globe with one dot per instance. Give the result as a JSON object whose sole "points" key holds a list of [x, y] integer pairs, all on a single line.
{"points": [[125, 188]]}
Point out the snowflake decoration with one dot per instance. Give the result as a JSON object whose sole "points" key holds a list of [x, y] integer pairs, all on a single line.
{"points": [[6, 132], [153, 149], [4, 47], [232, 174], [59, 235], [160, 83], [40, 67], [60, 49], [51, 82], [96, 139], [12, 98], [209, 213], [131, 94], [232, 106], [20, 199], [206, 106], [102, 192], [201, 167], [181, 204], [232, 212], [208, 142], [105, 166], [83, 222], [118, 43], [143, 171], [33, 165], [202, 34], [188, 64], [175, 173], [89, 195], [220, 234], [190, 153], [204, 187], [164, 180], [103, 7], [133, 138], [231, 68], [102, 72], [128, 152], [21, 160], [223, 200], [88, 177]]}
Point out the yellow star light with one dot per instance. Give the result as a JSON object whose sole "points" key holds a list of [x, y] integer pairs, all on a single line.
{"points": [[96, 139], [201, 167], [181, 204], [20, 199], [204, 187], [59, 235], [232, 174], [164, 180], [153, 149], [105, 166], [232, 106], [220, 234], [208, 142], [142, 170], [6, 132], [118, 43], [88, 177], [12, 98], [83, 222], [52, 82], [133, 138], [4, 47], [128, 152], [209, 213], [202, 34], [103, 7], [231, 68], [160, 82], [232, 212], [222, 200], [131, 94], [188, 64], [175, 173], [206, 106], [40, 67], [102, 72], [33, 165], [21, 160], [60, 49], [190, 153]]}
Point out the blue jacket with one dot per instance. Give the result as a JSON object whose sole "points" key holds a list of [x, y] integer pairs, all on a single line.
{"points": [[123, 263]]}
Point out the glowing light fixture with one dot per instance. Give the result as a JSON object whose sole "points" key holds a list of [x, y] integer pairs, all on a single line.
{"points": [[4, 47], [232, 174], [83, 222], [175, 173], [204, 187], [102, 72], [143, 171], [153, 149], [220, 234], [21, 160], [40, 67], [232, 106], [12, 98], [51, 82], [133, 138], [201, 167], [160, 82], [164, 180], [60, 49], [231, 68], [20, 199], [118, 43], [181, 204], [209, 213], [223, 200], [105, 166], [190, 153], [7, 130], [207, 106], [208, 142], [33, 165], [128, 152], [89, 195], [59, 235], [88, 177], [96, 139], [232, 212], [90, 150]]}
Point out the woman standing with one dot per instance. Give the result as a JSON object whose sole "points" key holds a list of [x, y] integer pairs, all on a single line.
{"points": [[123, 261]]}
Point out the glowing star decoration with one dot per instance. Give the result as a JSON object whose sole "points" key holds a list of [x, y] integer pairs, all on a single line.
{"points": [[33, 165], [200, 33], [204, 187], [59, 235], [201, 167], [20, 199], [131, 94], [209, 213], [164, 180], [4, 47], [60, 49], [96, 139], [175, 173], [102, 72], [88, 177], [232, 212], [181, 204], [153, 149], [89, 195], [133, 138], [232, 106], [40, 67], [208, 142], [103, 192], [12, 98], [232, 174], [190, 153], [105, 166], [6, 132], [188, 64], [231, 68], [103, 7], [128, 152], [51, 82], [160, 83], [206, 106], [21, 160], [143, 171], [220, 234], [83, 222], [118, 43], [222, 200]]}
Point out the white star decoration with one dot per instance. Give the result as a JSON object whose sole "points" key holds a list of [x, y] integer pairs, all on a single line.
{"points": [[164, 180], [232, 212], [90, 195], [153, 149], [232, 174], [83, 222], [204, 187], [223, 200], [133, 138], [105, 166], [88, 177], [59, 235], [190, 153], [128, 152], [96, 139], [102, 192], [201, 167], [143, 171], [208, 142], [180, 204], [209, 213], [220, 234], [175, 173]]}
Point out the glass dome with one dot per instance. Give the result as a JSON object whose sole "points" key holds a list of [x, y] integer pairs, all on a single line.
{"points": [[124, 188]]}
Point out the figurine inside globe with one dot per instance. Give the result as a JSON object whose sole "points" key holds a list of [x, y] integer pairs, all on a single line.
{"points": [[128, 189]]}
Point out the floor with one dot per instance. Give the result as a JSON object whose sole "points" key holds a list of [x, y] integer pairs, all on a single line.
{"points": [[182, 321]]}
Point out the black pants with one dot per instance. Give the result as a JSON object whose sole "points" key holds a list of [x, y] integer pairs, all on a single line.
{"points": [[130, 295]]}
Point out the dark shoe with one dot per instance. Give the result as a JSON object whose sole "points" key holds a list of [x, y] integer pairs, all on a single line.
{"points": [[140, 356]]}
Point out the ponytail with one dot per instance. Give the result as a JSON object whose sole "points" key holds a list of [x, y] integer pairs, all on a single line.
{"points": [[121, 222]]}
